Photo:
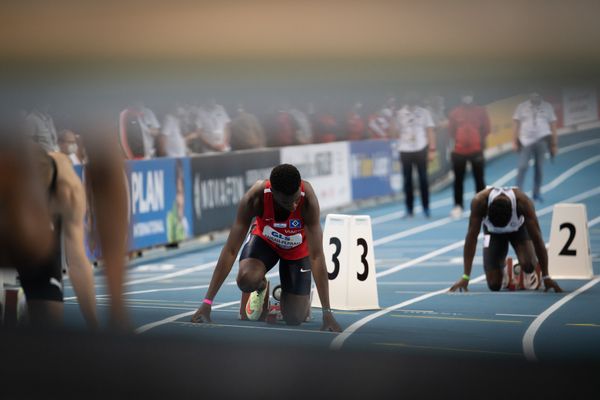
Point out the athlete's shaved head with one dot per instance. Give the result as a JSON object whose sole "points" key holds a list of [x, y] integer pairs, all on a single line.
{"points": [[500, 211], [285, 179]]}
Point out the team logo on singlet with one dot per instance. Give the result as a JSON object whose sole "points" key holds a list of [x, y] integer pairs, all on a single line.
{"points": [[283, 241], [295, 224]]}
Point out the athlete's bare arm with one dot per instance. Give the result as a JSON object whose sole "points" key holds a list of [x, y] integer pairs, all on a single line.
{"points": [[314, 236], [478, 212], [70, 203], [249, 207], [535, 233]]}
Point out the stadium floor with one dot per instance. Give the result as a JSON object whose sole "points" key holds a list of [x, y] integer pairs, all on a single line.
{"points": [[416, 259]]}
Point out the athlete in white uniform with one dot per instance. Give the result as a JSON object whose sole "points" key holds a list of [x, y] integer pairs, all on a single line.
{"points": [[508, 216]]}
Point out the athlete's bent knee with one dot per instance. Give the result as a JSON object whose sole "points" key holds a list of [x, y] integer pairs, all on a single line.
{"points": [[248, 281], [495, 286]]}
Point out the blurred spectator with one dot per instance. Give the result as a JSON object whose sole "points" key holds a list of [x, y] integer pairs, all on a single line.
{"points": [[390, 107], [40, 127], [246, 131], [469, 126], [355, 123], [174, 140], [326, 128], [436, 105], [379, 125], [304, 133], [417, 145], [150, 128], [189, 126], [213, 127], [280, 126], [68, 145], [534, 124]]}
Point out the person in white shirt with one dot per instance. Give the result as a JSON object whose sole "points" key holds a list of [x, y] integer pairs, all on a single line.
{"points": [[213, 127], [149, 126], [40, 127], [174, 140], [67, 143], [416, 142], [534, 125]]}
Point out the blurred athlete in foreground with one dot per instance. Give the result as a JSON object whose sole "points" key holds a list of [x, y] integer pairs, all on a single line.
{"points": [[27, 239]]}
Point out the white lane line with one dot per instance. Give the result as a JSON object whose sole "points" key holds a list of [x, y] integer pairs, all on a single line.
{"points": [[513, 173], [528, 347], [186, 271], [529, 336], [386, 239], [389, 271], [503, 180], [152, 325], [569, 173], [413, 231], [338, 342], [517, 315], [255, 327], [457, 244], [593, 222], [444, 221], [172, 289], [147, 327], [418, 260]]}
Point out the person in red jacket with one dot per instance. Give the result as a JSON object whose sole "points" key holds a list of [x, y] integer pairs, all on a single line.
{"points": [[469, 125], [355, 123], [287, 231]]}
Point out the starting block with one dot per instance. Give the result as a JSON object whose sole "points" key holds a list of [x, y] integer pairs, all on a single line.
{"points": [[244, 302], [514, 278]]}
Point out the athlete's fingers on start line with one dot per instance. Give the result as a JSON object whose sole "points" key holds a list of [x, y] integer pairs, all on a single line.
{"points": [[200, 316]]}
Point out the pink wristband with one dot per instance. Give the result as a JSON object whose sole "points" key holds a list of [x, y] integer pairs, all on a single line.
{"points": [[207, 301]]}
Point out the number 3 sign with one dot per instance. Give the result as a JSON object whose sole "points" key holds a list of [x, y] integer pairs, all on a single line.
{"points": [[348, 248]]}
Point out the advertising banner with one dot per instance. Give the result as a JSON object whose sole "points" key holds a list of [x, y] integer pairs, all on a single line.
{"points": [[375, 169], [160, 196], [325, 167], [579, 105], [220, 181]]}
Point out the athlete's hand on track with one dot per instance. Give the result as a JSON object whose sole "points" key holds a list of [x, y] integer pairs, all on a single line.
{"points": [[329, 323], [460, 285], [202, 314], [550, 284]]}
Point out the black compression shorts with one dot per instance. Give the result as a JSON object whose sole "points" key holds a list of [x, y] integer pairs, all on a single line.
{"points": [[294, 274]]}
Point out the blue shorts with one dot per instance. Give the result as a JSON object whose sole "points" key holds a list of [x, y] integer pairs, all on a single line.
{"points": [[295, 275]]}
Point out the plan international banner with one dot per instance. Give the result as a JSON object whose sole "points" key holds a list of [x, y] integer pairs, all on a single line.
{"points": [[160, 202]]}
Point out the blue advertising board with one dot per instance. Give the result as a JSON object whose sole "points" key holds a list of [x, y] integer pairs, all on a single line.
{"points": [[374, 168], [160, 204], [160, 208]]}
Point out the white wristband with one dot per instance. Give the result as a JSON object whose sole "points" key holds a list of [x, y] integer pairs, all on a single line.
{"points": [[545, 277]]}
